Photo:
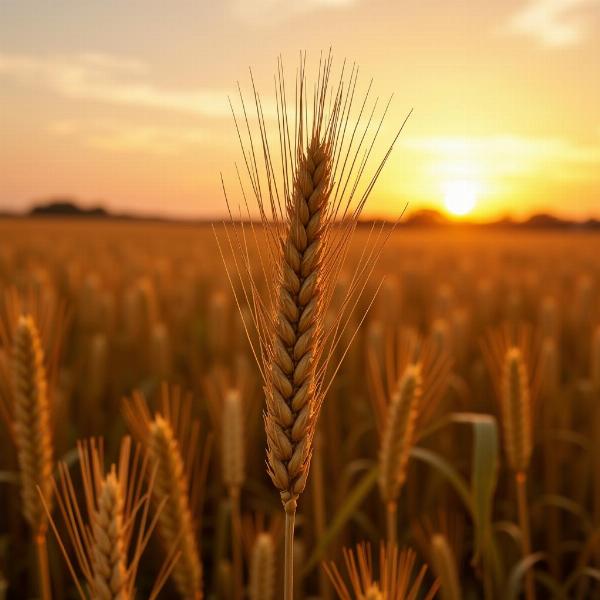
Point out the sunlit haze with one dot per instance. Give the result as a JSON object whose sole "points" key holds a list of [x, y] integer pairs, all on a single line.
{"points": [[125, 104]]}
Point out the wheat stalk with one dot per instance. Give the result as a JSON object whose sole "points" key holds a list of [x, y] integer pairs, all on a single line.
{"points": [[515, 405], [308, 218], [233, 464], [106, 549], [261, 552], [404, 397], [232, 441], [516, 379], [397, 441], [508, 354], [549, 392], [229, 404], [31, 333], [292, 407], [31, 421], [262, 568], [32, 435], [175, 522], [169, 437]]}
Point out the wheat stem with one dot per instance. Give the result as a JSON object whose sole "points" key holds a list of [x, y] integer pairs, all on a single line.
{"points": [[236, 537], [521, 482], [391, 509], [33, 436], [288, 572], [318, 493], [44, 569]]}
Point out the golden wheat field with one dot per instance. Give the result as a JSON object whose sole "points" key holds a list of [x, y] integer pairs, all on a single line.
{"points": [[457, 441]]}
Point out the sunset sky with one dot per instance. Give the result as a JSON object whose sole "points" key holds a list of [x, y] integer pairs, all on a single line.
{"points": [[125, 103]]}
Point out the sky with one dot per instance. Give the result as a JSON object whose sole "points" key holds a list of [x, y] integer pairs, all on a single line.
{"points": [[126, 103]]}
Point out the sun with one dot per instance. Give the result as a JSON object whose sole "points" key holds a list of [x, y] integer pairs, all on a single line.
{"points": [[460, 197]]}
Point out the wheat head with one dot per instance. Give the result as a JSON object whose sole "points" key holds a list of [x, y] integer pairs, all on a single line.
{"points": [[515, 405], [309, 209], [399, 433], [166, 437], [110, 529], [232, 440], [175, 521], [31, 421], [290, 415], [262, 568], [108, 547]]}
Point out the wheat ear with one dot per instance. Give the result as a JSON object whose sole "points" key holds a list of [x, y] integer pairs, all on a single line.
{"points": [[515, 404], [175, 521], [508, 355], [110, 535], [108, 548], [171, 439], [262, 568], [32, 434], [518, 434], [404, 396], [291, 411], [233, 464], [397, 441], [31, 421], [290, 415]]}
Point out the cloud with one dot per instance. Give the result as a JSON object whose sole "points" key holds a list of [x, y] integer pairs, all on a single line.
{"points": [[116, 136], [111, 80], [258, 12], [507, 156], [553, 23]]}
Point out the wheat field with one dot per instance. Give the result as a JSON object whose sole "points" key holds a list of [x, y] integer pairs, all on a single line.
{"points": [[456, 445]]}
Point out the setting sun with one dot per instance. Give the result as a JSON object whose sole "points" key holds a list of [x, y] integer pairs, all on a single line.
{"points": [[460, 197]]}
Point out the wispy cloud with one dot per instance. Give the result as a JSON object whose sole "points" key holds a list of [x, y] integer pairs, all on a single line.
{"points": [[275, 11], [107, 79], [554, 23], [116, 136]]}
